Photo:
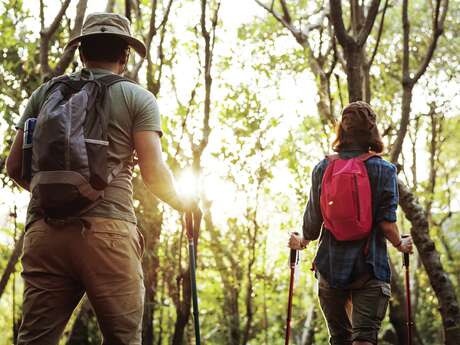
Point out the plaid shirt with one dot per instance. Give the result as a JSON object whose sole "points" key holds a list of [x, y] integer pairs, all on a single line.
{"points": [[341, 262]]}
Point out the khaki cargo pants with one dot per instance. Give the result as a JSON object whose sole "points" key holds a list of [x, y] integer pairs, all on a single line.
{"points": [[61, 263], [356, 312]]}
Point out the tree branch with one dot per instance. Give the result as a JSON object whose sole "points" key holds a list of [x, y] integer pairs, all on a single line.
{"points": [[207, 74], [68, 54], [297, 33], [166, 15], [286, 15], [370, 19], [438, 28], [379, 34], [57, 20], [343, 37]]}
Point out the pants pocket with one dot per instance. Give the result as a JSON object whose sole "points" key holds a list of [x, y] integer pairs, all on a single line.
{"points": [[140, 242], [36, 234], [383, 301]]}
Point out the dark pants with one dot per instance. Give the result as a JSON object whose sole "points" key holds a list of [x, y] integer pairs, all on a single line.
{"points": [[61, 263], [356, 312]]}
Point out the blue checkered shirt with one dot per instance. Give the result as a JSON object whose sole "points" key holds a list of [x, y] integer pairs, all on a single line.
{"points": [[341, 262]]}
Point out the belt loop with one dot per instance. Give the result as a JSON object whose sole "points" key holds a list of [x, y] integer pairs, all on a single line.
{"points": [[85, 225]]}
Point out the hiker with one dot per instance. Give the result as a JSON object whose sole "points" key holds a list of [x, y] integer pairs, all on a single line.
{"points": [[353, 275], [99, 251]]}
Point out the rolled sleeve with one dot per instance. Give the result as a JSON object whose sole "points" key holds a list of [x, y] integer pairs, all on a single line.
{"points": [[389, 197], [313, 219]]}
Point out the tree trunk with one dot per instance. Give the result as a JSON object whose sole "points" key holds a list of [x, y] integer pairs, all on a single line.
{"points": [[183, 308], [439, 280], [10, 266], [308, 332], [150, 266], [405, 114], [354, 58]]}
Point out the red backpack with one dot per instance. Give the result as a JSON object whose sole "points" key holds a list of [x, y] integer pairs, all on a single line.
{"points": [[346, 199]]}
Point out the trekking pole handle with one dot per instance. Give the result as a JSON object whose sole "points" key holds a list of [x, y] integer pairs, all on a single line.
{"points": [[294, 255], [405, 255]]}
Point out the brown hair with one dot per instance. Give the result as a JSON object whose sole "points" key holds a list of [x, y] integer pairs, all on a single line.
{"points": [[358, 128]]}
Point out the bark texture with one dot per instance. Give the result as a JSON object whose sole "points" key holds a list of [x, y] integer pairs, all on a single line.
{"points": [[318, 64], [439, 280], [408, 82], [353, 45]]}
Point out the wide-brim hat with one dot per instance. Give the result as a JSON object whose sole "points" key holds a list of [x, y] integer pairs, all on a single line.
{"points": [[108, 24]]}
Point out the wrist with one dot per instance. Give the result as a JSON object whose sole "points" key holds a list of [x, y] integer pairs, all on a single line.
{"points": [[303, 243], [175, 201], [398, 245]]}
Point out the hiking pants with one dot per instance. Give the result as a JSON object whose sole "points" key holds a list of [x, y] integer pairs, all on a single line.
{"points": [[61, 263], [356, 312]]}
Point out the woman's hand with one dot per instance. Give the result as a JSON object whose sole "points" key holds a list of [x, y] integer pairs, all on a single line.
{"points": [[297, 242], [405, 245]]}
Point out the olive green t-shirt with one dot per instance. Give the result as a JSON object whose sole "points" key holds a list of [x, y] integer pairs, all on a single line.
{"points": [[132, 109]]}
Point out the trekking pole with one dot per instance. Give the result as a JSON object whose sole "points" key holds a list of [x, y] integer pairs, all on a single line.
{"points": [[293, 261], [189, 221], [408, 299]]}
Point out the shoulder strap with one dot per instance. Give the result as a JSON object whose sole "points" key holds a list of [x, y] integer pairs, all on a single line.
{"points": [[332, 157], [110, 79]]}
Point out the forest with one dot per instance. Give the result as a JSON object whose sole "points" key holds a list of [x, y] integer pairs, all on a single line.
{"points": [[250, 92]]}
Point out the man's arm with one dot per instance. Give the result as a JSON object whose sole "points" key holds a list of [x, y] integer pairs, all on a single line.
{"points": [[391, 233], [155, 173], [14, 161]]}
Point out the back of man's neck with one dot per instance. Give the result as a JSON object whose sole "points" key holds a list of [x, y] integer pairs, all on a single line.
{"points": [[109, 66]]}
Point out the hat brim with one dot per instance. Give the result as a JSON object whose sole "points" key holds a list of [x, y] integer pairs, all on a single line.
{"points": [[136, 44]]}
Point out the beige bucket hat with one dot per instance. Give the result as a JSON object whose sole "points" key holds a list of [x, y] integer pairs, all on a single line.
{"points": [[108, 23]]}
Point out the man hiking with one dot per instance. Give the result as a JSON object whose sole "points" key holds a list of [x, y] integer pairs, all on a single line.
{"points": [[92, 246], [353, 197]]}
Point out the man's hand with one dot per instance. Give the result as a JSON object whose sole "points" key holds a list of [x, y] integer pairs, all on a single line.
{"points": [[190, 204], [406, 244], [297, 242]]}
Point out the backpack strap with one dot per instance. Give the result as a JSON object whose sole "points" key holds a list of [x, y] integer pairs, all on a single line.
{"points": [[110, 79], [333, 157], [107, 81]]}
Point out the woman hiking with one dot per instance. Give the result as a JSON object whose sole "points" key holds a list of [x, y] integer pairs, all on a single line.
{"points": [[353, 198]]}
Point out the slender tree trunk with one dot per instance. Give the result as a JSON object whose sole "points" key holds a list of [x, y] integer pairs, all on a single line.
{"points": [[308, 332], [151, 266], [183, 308], [110, 6], [439, 280], [404, 124], [10, 266]]}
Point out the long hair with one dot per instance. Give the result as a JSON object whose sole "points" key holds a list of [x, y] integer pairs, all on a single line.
{"points": [[357, 127]]}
